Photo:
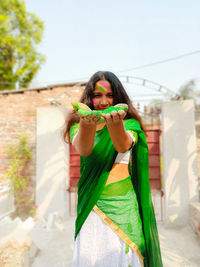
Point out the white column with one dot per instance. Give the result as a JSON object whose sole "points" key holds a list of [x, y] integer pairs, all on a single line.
{"points": [[7, 204], [52, 163], [179, 160]]}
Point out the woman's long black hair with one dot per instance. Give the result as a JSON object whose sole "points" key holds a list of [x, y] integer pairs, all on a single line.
{"points": [[119, 96]]}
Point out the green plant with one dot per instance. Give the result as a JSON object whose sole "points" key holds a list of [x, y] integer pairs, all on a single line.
{"points": [[20, 155]]}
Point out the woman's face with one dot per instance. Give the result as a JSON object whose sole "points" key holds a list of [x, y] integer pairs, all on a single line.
{"points": [[103, 96]]}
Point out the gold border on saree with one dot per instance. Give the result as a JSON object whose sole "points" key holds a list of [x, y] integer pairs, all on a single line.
{"points": [[119, 232]]}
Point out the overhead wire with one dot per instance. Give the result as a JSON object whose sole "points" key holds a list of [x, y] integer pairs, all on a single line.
{"points": [[160, 61]]}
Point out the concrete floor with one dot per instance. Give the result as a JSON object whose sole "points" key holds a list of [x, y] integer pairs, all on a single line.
{"points": [[180, 247]]}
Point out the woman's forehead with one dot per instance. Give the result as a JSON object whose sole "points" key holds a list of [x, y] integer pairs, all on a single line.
{"points": [[103, 85]]}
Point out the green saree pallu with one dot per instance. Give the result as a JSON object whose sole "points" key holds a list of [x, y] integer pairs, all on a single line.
{"points": [[91, 187]]}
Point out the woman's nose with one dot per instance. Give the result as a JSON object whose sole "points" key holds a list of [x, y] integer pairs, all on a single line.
{"points": [[104, 101]]}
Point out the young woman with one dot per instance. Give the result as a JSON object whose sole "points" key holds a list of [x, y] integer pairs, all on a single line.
{"points": [[115, 223]]}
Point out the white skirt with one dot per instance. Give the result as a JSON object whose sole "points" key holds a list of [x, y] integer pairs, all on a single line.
{"points": [[98, 245]]}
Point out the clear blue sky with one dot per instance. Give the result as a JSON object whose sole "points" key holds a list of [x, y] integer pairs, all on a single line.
{"points": [[82, 37]]}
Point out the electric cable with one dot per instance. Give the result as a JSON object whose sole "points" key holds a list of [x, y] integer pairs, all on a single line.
{"points": [[160, 61]]}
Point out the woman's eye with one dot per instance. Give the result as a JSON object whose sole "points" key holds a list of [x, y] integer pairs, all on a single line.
{"points": [[110, 95], [97, 95]]}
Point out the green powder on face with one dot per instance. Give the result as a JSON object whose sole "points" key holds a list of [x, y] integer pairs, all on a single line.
{"points": [[102, 86]]}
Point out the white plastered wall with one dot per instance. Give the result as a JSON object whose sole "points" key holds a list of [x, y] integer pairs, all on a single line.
{"points": [[52, 163], [179, 160]]}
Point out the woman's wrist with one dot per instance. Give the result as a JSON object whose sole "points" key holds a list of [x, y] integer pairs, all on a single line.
{"points": [[115, 125], [86, 123]]}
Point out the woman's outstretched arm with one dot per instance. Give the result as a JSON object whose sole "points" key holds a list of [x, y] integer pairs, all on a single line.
{"points": [[84, 140], [120, 138]]}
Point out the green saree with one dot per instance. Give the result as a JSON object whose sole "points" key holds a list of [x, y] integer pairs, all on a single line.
{"points": [[94, 173]]}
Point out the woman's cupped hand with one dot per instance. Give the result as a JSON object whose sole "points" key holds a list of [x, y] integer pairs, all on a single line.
{"points": [[115, 116]]}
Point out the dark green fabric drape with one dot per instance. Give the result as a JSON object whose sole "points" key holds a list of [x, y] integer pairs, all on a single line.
{"points": [[139, 170]]}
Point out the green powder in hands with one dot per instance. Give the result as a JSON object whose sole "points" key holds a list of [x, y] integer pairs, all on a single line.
{"points": [[84, 110]]}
